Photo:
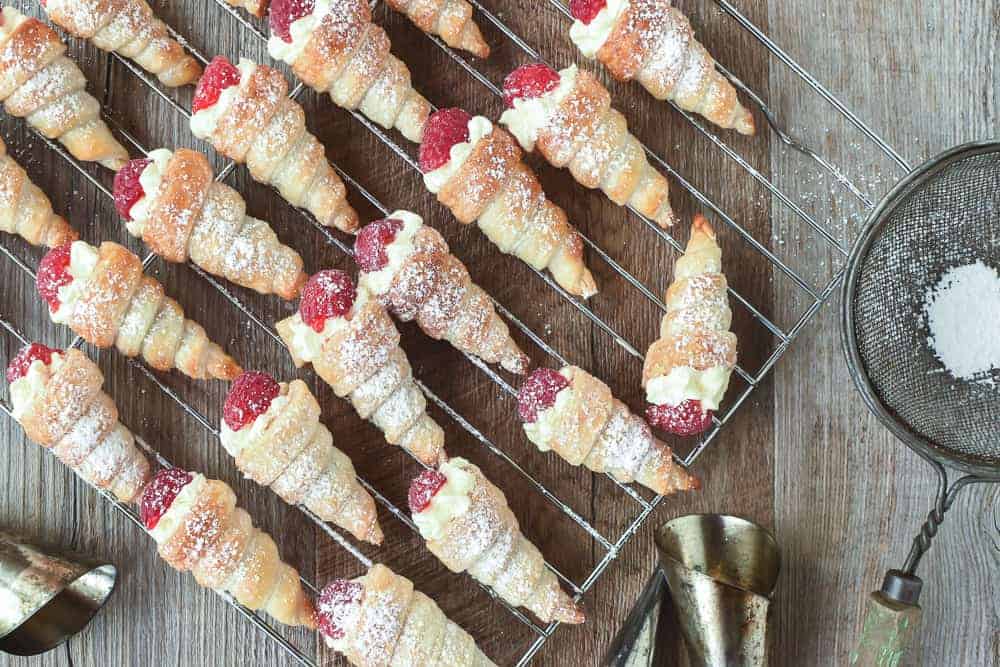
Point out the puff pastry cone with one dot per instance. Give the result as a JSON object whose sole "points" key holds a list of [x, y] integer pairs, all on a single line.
{"points": [[567, 116], [245, 113], [687, 370], [256, 7], [199, 529], [103, 296], [353, 345], [408, 266], [58, 400], [475, 169], [652, 42], [172, 201], [468, 525], [379, 619], [130, 29], [334, 48], [40, 84], [273, 431], [24, 208], [573, 414], [451, 20]]}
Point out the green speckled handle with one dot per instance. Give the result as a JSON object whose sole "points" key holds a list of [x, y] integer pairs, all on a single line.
{"points": [[888, 632]]}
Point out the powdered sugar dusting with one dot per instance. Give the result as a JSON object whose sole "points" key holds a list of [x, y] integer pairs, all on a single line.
{"points": [[962, 312]]}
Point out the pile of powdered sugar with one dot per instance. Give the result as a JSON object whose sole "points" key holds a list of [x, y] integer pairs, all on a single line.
{"points": [[963, 315]]}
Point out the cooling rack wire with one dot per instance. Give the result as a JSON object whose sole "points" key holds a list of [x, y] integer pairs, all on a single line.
{"points": [[610, 545]]}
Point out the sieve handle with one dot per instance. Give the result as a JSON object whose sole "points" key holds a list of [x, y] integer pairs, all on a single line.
{"points": [[892, 620]]}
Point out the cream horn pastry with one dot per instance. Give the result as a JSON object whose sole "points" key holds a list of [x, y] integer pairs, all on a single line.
{"points": [[256, 7], [103, 296], [245, 113], [172, 201], [652, 42], [409, 267], [273, 431], [451, 20], [24, 208], [40, 84], [567, 116], [379, 619], [687, 370], [130, 29], [334, 48], [199, 529], [475, 169], [468, 525], [573, 414], [353, 345], [58, 400]]}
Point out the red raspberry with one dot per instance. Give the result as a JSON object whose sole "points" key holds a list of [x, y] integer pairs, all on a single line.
{"points": [[284, 13], [444, 129], [685, 419], [370, 244], [338, 602], [529, 81], [423, 488], [160, 494], [219, 75], [539, 393], [329, 293], [249, 397], [586, 10], [19, 365], [127, 187], [53, 273]]}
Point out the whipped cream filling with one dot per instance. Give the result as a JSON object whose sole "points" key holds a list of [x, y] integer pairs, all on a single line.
{"points": [[307, 343], [11, 20], [590, 37], [543, 430], [150, 180], [25, 390], [203, 121], [345, 615], [301, 30], [401, 247], [683, 383], [236, 441], [178, 510], [452, 500], [531, 115], [479, 127], [82, 260]]}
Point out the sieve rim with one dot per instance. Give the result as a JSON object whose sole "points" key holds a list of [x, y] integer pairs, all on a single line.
{"points": [[874, 223]]}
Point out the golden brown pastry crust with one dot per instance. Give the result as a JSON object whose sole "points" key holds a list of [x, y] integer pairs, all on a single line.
{"points": [[653, 42], [497, 190], [449, 19], [194, 217], [487, 541], [38, 83], [130, 28], [74, 418], [230, 552], [25, 210], [120, 306], [434, 288], [591, 139], [265, 129]]}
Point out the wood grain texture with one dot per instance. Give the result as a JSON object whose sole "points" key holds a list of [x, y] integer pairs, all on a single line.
{"points": [[801, 456]]}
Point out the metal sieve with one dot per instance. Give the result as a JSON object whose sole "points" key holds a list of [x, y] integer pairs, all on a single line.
{"points": [[942, 215]]}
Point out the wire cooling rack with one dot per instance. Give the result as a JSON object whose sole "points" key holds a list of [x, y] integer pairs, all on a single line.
{"points": [[751, 378]]}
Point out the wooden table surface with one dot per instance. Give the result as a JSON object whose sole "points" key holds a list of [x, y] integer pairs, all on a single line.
{"points": [[802, 456]]}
